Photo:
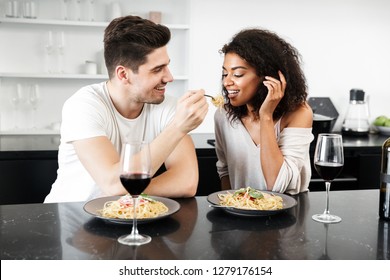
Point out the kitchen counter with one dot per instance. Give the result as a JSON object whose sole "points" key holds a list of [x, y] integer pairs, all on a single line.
{"points": [[196, 231], [13, 143], [35, 156]]}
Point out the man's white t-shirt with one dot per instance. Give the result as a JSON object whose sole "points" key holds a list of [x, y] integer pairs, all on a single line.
{"points": [[91, 113]]}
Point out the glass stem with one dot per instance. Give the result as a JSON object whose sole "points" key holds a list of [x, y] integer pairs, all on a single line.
{"points": [[33, 118], [134, 231], [327, 187], [326, 239], [15, 113]]}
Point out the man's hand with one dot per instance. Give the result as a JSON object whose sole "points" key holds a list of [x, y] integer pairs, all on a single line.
{"points": [[191, 110]]}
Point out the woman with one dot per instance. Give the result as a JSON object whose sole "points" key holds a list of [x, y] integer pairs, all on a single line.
{"points": [[263, 133]]}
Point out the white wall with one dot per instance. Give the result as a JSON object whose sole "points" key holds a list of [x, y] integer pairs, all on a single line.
{"points": [[344, 44]]}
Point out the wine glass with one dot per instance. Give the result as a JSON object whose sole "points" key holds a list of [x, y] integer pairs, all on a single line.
{"points": [[65, 10], [16, 100], [34, 98], [91, 10], [328, 161], [49, 49], [61, 51], [325, 255], [135, 176]]}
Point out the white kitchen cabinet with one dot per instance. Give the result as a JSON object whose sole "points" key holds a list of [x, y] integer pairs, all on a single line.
{"points": [[25, 63]]}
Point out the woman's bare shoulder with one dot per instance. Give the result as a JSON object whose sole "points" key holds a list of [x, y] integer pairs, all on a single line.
{"points": [[301, 117]]}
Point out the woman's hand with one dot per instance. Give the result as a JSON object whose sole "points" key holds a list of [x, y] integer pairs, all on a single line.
{"points": [[276, 90], [268, 143]]}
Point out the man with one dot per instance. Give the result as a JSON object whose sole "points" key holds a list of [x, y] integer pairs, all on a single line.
{"points": [[132, 105]]}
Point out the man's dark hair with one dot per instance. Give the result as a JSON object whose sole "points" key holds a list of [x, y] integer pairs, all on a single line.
{"points": [[128, 40]]}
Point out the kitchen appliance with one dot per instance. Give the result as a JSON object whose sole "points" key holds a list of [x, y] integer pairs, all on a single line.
{"points": [[323, 107], [356, 122], [321, 124], [324, 116]]}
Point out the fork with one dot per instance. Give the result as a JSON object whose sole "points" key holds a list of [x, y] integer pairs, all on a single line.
{"points": [[212, 98]]}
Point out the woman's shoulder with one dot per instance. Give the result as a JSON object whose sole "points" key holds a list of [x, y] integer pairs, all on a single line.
{"points": [[301, 117]]}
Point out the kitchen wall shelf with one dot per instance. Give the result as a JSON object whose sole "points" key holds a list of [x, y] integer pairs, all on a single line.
{"points": [[30, 132], [53, 22], [53, 76], [50, 53], [74, 23], [66, 76]]}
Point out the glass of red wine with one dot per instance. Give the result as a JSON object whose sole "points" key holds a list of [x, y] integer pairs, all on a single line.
{"points": [[328, 161], [135, 176]]}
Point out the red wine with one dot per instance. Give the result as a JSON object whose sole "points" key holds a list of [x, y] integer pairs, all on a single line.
{"points": [[135, 183], [328, 170]]}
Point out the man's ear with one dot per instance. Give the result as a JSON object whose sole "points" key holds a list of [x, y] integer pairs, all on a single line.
{"points": [[122, 74]]}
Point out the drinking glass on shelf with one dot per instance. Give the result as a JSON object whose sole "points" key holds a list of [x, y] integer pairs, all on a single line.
{"points": [[328, 161], [90, 10], [12, 9], [34, 98], [16, 99], [49, 48], [29, 9], [76, 10], [135, 176], [65, 9], [61, 50]]}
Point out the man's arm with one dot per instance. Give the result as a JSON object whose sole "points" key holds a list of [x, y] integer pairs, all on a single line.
{"points": [[173, 147], [101, 160], [181, 177]]}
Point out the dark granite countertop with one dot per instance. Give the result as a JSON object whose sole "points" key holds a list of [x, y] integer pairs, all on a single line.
{"points": [[66, 231], [12, 143]]}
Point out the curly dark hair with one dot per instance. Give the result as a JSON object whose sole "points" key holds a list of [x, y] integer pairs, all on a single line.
{"points": [[268, 53], [129, 39]]}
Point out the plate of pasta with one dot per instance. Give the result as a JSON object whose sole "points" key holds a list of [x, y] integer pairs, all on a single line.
{"points": [[119, 209], [251, 202]]}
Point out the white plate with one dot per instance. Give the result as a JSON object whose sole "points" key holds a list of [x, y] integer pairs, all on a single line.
{"points": [[288, 202], [384, 129], [92, 207]]}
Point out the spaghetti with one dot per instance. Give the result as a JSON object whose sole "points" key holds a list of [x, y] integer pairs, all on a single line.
{"points": [[123, 208], [251, 199], [218, 101]]}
